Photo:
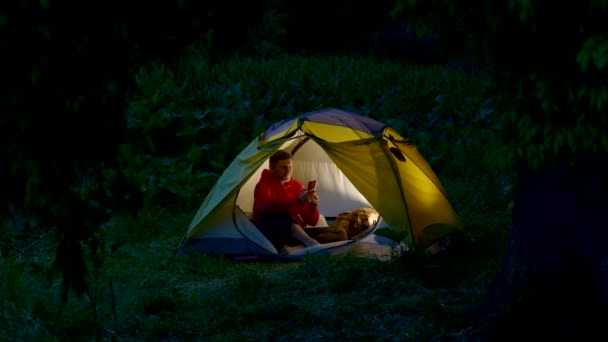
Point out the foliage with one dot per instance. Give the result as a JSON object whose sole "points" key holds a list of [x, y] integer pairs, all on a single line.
{"points": [[66, 69], [549, 64], [267, 38], [549, 71]]}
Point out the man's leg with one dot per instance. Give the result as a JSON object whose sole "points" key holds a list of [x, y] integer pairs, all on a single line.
{"points": [[300, 234], [276, 228], [327, 234]]}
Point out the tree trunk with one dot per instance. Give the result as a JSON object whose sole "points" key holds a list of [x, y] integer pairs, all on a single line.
{"points": [[554, 281]]}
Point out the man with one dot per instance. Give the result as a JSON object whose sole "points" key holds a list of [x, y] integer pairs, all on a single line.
{"points": [[282, 206]]}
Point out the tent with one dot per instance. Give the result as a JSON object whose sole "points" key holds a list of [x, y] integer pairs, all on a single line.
{"points": [[358, 162]]}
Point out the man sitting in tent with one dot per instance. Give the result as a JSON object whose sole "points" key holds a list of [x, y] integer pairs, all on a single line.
{"points": [[282, 207]]}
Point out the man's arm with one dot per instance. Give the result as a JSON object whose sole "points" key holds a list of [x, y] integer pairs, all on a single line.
{"points": [[312, 214], [309, 211]]}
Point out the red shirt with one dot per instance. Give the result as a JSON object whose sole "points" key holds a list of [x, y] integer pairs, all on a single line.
{"points": [[272, 195]]}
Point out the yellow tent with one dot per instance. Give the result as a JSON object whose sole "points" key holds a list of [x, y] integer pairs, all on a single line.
{"points": [[358, 162]]}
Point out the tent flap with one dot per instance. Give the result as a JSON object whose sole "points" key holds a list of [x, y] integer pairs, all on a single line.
{"points": [[367, 166]]}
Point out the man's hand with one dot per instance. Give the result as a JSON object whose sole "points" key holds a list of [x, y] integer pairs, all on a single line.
{"points": [[310, 196], [314, 198]]}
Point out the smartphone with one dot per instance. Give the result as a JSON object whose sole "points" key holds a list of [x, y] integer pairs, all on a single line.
{"points": [[312, 185]]}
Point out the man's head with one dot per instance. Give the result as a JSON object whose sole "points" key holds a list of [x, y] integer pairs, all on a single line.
{"points": [[281, 164]]}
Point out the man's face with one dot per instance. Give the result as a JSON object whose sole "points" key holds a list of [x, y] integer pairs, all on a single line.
{"points": [[283, 169]]}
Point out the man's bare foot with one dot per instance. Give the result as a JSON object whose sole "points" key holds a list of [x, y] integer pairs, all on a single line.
{"points": [[286, 250]]}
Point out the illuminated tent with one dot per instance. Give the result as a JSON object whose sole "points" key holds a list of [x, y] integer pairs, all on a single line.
{"points": [[358, 162]]}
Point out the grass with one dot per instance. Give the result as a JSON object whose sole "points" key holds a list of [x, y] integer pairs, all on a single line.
{"points": [[144, 292]]}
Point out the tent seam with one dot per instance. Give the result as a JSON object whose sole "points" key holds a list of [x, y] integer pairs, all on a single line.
{"points": [[400, 183], [234, 208]]}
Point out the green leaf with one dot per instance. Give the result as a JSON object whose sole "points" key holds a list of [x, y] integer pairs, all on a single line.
{"points": [[126, 150], [571, 140], [594, 52], [582, 91], [557, 143], [546, 106], [199, 114], [398, 10], [601, 97], [531, 132]]}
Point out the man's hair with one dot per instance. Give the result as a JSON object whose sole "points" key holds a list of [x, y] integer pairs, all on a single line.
{"points": [[279, 155]]}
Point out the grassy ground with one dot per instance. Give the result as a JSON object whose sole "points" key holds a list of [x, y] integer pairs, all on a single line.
{"points": [[145, 293]]}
